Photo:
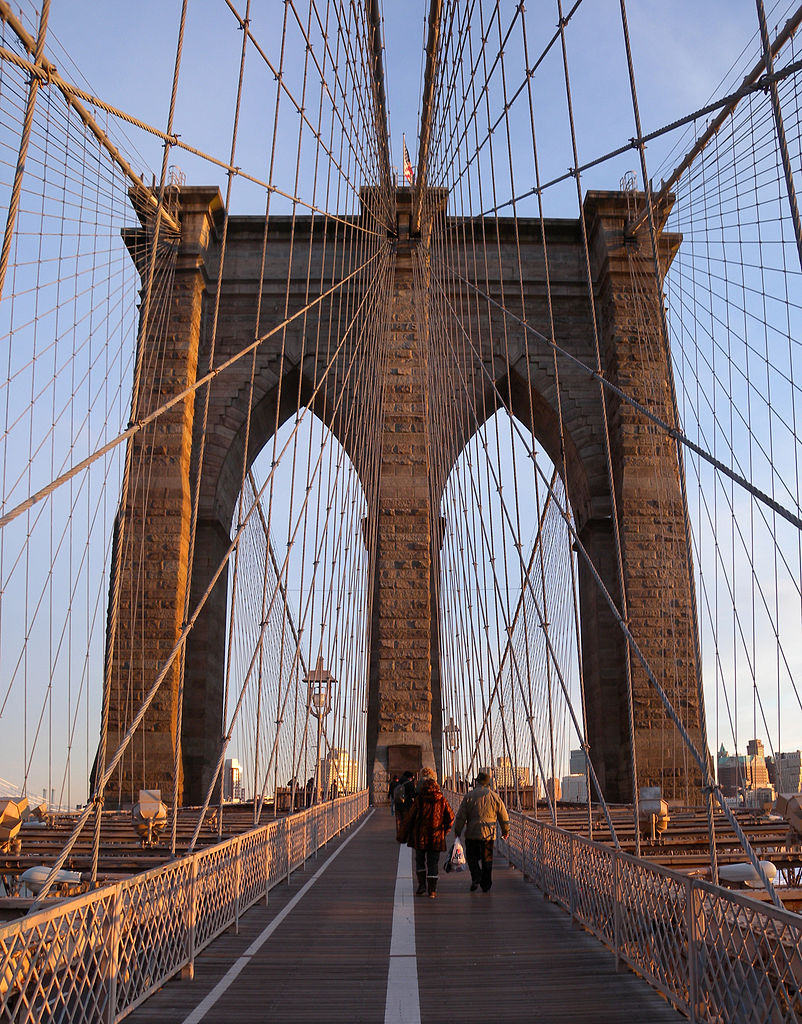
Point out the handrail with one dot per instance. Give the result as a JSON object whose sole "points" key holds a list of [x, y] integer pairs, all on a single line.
{"points": [[712, 952], [97, 956]]}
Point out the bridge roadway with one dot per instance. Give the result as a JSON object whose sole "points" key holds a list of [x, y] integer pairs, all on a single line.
{"points": [[345, 941]]}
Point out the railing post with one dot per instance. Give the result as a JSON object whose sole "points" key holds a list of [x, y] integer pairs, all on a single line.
{"points": [[287, 846], [617, 910], [114, 957], [268, 863], [693, 910], [237, 882], [192, 915], [571, 880]]}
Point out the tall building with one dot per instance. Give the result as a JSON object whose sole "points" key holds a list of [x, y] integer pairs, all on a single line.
{"points": [[575, 788], [506, 774], [757, 773], [577, 765], [731, 772], [233, 790], [739, 775], [789, 772], [339, 770], [554, 789]]}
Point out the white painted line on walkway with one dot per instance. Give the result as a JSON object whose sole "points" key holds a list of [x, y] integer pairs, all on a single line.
{"points": [[403, 998], [233, 972]]}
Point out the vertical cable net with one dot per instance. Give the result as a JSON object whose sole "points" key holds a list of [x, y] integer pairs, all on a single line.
{"points": [[734, 315], [91, 310], [68, 331], [510, 109]]}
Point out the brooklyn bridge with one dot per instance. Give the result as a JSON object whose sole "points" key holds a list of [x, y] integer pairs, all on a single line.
{"points": [[331, 453]]}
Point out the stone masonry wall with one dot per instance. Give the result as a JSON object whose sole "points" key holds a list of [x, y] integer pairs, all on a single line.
{"points": [[400, 695], [154, 554], [649, 501]]}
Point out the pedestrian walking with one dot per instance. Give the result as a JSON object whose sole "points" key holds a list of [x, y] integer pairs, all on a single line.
{"points": [[429, 822], [403, 797], [478, 813], [390, 791]]}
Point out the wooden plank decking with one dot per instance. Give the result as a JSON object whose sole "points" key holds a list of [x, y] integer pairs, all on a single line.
{"points": [[506, 955]]}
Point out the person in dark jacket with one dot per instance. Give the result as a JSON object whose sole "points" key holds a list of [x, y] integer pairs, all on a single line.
{"points": [[391, 790], [403, 796], [428, 824], [404, 793], [478, 813]]}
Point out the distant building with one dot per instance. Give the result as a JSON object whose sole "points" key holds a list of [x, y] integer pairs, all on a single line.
{"points": [[757, 773], [731, 773], [233, 790], [759, 799], [577, 764], [506, 774], [575, 788], [739, 775], [554, 789], [788, 772], [339, 770]]}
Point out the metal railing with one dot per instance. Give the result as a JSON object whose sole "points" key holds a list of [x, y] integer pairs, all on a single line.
{"points": [[95, 957], [717, 955]]}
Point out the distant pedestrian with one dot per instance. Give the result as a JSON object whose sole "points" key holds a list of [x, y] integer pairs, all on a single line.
{"points": [[429, 822], [404, 793], [478, 813], [403, 796], [390, 790]]}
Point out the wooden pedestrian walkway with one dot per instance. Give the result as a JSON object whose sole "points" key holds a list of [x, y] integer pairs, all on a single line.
{"points": [[345, 941]]}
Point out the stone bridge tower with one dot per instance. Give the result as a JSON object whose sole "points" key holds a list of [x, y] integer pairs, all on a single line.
{"points": [[404, 712]]}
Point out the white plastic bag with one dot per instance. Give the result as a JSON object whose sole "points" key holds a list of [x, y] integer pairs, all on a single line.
{"points": [[456, 858]]}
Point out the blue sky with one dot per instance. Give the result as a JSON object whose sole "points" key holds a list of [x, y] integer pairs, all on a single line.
{"points": [[684, 53]]}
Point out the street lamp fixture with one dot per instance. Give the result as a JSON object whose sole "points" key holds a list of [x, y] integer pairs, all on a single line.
{"points": [[451, 737], [320, 685]]}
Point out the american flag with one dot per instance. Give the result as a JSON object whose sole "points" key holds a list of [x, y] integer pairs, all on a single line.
{"points": [[409, 174]]}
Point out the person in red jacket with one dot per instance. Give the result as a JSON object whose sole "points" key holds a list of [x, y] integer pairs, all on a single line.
{"points": [[429, 822]]}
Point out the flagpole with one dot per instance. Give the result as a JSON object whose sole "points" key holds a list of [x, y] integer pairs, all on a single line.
{"points": [[403, 158]]}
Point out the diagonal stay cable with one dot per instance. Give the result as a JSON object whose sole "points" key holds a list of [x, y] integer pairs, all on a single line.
{"points": [[135, 428], [177, 647], [70, 91], [709, 782], [673, 432]]}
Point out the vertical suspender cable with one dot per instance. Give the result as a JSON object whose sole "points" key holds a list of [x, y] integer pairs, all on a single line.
{"points": [[680, 459], [120, 538]]}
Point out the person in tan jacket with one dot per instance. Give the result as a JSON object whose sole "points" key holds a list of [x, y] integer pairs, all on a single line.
{"points": [[478, 813]]}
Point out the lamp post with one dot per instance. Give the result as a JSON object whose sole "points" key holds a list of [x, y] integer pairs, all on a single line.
{"points": [[319, 684], [451, 736]]}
